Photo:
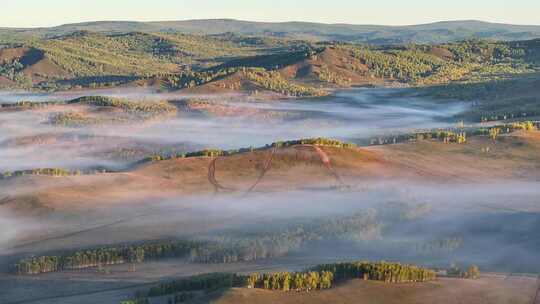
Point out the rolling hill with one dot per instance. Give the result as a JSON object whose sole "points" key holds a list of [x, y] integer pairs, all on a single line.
{"points": [[438, 32]]}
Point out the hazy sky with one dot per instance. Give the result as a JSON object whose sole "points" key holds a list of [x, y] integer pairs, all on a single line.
{"points": [[26, 13]]}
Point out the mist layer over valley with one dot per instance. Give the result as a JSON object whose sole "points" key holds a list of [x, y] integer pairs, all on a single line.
{"points": [[349, 115], [380, 207]]}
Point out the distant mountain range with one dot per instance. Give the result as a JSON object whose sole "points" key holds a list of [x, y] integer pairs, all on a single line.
{"points": [[438, 32]]}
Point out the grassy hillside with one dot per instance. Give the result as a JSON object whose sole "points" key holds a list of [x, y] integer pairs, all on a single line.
{"points": [[492, 290]]}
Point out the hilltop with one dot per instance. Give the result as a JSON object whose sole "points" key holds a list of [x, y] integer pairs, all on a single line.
{"points": [[292, 166]]}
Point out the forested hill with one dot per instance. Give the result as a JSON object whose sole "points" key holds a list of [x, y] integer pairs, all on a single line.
{"points": [[439, 32], [234, 63]]}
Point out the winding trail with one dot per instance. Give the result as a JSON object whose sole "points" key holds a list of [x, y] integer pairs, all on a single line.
{"points": [[266, 167], [325, 159], [212, 177]]}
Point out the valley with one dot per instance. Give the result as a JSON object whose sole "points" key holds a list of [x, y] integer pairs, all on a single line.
{"points": [[141, 165]]}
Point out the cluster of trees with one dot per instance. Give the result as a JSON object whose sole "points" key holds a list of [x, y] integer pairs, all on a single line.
{"points": [[135, 110], [324, 74], [287, 55], [14, 71], [287, 281], [446, 136], [457, 136], [402, 65], [46, 171], [72, 119], [142, 109], [320, 141], [452, 137], [482, 51], [319, 277], [380, 271], [201, 153], [190, 79], [10, 69], [29, 104], [494, 131], [93, 82], [525, 125], [472, 272], [273, 81], [105, 256]]}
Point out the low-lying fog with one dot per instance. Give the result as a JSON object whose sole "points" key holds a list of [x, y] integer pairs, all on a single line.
{"points": [[432, 225], [349, 115], [493, 225]]}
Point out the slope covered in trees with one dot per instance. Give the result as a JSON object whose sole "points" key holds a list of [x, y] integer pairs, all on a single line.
{"points": [[513, 98], [180, 61]]}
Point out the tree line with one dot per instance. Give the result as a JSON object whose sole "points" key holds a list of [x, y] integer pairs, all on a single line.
{"points": [[30, 104], [380, 271], [472, 272], [56, 172], [457, 135], [320, 277], [320, 141], [139, 108], [273, 81], [104, 256]]}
